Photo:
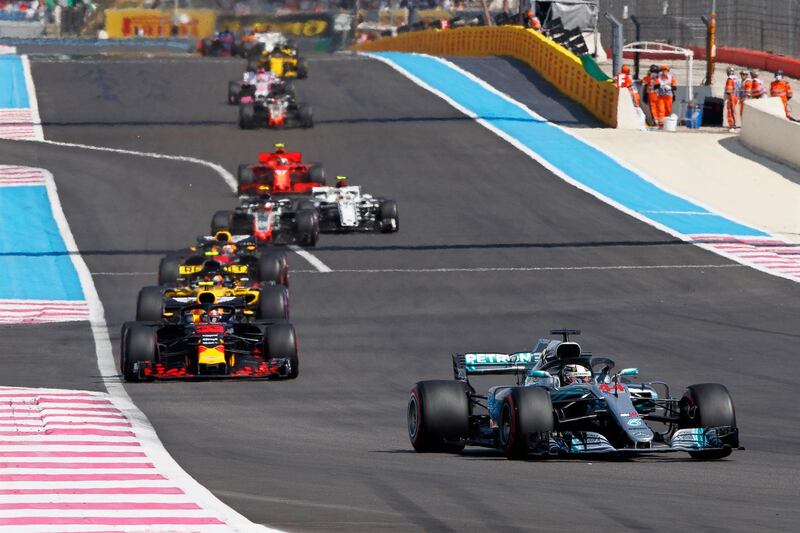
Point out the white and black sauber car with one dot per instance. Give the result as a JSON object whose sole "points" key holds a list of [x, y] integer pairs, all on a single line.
{"points": [[348, 209]]}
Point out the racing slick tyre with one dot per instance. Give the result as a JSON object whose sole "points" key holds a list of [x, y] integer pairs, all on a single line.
{"points": [[234, 91], [316, 174], [138, 346], [220, 221], [305, 116], [283, 259], [241, 224], [708, 405], [438, 416], [273, 303], [302, 69], [526, 414], [270, 269], [247, 116], [281, 341], [168, 270], [307, 227], [245, 176], [387, 214], [150, 304]]}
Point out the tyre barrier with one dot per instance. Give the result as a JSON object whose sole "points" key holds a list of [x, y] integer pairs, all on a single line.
{"points": [[556, 64]]}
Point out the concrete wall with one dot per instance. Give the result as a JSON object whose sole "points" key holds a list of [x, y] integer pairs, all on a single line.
{"points": [[765, 129], [21, 29]]}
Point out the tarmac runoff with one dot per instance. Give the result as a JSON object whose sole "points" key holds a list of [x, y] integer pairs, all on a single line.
{"points": [[710, 165], [597, 171]]}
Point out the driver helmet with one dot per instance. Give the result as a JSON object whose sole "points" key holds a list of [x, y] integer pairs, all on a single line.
{"points": [[215, 314], [196, 315], [283, 161], [228, 249], [575, 374], [218, 279]]}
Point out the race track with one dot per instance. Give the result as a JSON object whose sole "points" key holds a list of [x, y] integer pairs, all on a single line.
{"points": [[330, 451]]}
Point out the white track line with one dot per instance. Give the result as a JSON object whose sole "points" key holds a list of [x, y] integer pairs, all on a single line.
{"points": [[226, 176], [564, 176], [105, 359], [105, 362]]}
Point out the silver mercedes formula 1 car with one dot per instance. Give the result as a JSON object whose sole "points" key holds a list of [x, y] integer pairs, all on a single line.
{"points": [[602, 412]]}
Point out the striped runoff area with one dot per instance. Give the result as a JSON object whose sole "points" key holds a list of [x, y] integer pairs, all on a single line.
{"points": [[39, 282], [72, 461], [768, 254], [17, 124], [594, 171], [18, 118]]}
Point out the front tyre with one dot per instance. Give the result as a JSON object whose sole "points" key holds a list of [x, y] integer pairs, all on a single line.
{"points": [[526, 415], [438, 416], [273, 303], [388, 217], [708, 405], [138, 347], [281, 342]]}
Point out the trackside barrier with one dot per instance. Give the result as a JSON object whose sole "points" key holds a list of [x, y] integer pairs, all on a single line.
{"points": [[766, 130], [196, 23], [556, 64]]}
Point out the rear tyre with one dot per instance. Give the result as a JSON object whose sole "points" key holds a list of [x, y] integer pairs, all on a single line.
{"points": [[307, 227], [305, 116], [281, 341], [150, 304], [234, 92], [168, 270], [269, 269], [247, 116], [388, 216], [438, 416], [220, 221], [138, 346], [283, 260], [241, 224], [302, 69], [273, 303], [316, 174], [526, 413], [245, 177], [707, 405]]}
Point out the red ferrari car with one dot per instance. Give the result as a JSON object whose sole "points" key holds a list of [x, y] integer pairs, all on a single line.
{"points": [[279, 172]]}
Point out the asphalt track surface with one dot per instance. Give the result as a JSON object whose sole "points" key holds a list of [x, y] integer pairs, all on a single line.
{"points": [[330, 450]]}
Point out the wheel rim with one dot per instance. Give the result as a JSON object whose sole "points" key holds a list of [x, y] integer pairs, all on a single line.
{"points": [[505, 425], [413, 418]]}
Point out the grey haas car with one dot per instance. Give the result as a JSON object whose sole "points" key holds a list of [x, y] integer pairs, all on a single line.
{"points": [[601, 412]]}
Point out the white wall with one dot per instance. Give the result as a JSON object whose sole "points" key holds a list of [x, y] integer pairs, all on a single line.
{"points": [[765, 129]]}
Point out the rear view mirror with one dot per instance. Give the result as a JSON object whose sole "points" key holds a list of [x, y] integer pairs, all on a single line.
{"points": [[629, 372], [539, 374]]}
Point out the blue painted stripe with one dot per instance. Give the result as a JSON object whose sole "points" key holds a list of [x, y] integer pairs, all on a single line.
{"points": [[13, 92], [583, 163], [34, 261]]}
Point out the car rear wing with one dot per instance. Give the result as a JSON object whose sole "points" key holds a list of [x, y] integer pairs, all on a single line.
{"points": [[467, 364]]}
